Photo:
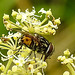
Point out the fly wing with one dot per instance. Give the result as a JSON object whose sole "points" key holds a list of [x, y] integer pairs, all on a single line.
{"points": [[49, 51]]}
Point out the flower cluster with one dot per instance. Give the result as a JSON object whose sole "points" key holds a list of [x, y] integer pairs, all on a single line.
{"points": [[68, 60], [29, 22], [18, 54], [22, 67]]}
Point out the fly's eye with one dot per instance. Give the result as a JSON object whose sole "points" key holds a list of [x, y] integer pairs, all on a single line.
{"points": [[26, 40]]}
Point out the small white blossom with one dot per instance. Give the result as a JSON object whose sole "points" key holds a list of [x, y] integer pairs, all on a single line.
{"points": [[63, 58], [69, 60], [39, 73], [19, 17], [44, 64], [30, 66], [17, 34], [59, 58], [10, 52], [20, 61], [72, 57], [9, 35], [2, 68], [57, 21], [6, 17], [67, 52], [14, 13], [48, 13], [42, 11], [14, 68], [66, 73]]}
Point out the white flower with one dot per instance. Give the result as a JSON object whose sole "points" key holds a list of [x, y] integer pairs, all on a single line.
{"points": [[19, 17], [48, 13], [42, 11], [14, 13], [63, 58], [17, 23], [24, 16], [2, 68], [44, 64], [30, 66], [72, 57], [27, 14], [67, 52], [39, 73], [17, 34], [9, 53], [9, 35], [66, 73], [59, 58], [57, 21], [20, 61], [6, 17], [14, 68], [69, 60]]}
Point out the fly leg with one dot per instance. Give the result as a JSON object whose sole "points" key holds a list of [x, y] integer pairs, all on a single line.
{"points": [[34, 48], [28, 55]]}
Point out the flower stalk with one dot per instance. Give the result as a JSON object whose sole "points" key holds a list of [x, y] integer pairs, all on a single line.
{"points": [[8, 65], [71, 69], [68, 60]]}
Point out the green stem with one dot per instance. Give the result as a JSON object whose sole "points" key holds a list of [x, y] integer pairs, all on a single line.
{"points": [[4, 47], [38, 68], [43, 21], [71, 69], [26, 24], [21, 24], [8, 65], [14, 24]]}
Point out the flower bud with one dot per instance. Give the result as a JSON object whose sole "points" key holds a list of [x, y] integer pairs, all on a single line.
{"points": [[44, 64], [39, 73], [2, 67], [66, 73], [63, 58], [9, 72], [6, 17], [10, 52], [14, 68], [57, 21], [19, 17], [30, 67], [2, 74], [50, 23], [48, 13], [14, 13], [59, 58], [67, 52]]}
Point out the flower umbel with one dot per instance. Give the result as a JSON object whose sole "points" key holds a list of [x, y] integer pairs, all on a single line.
{"points": [[29, 22], [68, 60], [11, 44], [17, 53]]}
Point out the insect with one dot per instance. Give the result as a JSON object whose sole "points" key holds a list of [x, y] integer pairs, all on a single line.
{"points": [[37, 43]]}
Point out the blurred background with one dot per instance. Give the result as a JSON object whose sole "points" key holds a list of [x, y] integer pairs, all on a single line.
{"points": [[65, 36]]}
